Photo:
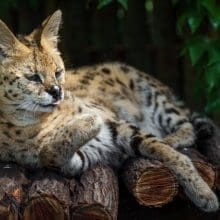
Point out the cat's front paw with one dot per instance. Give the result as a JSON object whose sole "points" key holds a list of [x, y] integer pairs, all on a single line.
{"points": [[93, 122], [88, 125]]}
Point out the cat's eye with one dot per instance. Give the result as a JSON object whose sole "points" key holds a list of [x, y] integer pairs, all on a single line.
{"points": [[34, 78], [58, 73]]}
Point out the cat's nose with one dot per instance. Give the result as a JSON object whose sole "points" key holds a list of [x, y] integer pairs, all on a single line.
{"points": [[55, 92]]}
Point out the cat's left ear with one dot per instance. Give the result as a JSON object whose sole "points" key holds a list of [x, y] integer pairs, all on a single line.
{"points": [[50, 29]]}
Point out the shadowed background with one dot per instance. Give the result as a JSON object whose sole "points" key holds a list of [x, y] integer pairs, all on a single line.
{"points": [[144, 39]]}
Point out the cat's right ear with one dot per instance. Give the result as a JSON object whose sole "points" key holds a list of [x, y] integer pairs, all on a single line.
{"points": [[9, 44]]}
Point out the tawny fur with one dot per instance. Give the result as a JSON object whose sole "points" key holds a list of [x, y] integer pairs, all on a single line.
{"points": [[104, 113]]}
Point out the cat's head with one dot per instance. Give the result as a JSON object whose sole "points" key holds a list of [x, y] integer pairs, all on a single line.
{"points": [[31, 69]]}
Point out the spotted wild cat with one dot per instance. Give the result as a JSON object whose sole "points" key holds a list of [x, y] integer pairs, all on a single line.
{"points": [[104, 113]]}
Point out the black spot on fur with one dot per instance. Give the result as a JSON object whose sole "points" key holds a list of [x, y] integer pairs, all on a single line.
{"points": [[180, 122], [152, 150], [83, 81], [102, 89], [106, 70], [172, 111], [149, 99], [110, 82], [135, 143], [79, 109], [131, 84], [113, 128], [82, 157], [97, 139], [124, 69], [9, 125], [149, 136], [18, 132], [120, 82], [6, 133], [7, 96], [168, 121]]}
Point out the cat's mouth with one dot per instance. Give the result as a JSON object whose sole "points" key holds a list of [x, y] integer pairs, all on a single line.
{"points": [[51, 105]]}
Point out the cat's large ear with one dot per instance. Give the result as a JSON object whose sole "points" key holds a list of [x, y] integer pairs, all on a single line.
{"points": [[50, 29], [9, 44]]}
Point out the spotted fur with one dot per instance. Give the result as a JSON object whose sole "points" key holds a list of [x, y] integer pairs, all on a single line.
{"points": [[104, 113]]}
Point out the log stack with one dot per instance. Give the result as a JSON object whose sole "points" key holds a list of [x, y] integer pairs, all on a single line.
{"points": [[32, 195]]}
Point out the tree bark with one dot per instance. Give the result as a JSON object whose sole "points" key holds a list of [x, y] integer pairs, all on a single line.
{"points": [[48, 197], [12, 191], [96, 195]]}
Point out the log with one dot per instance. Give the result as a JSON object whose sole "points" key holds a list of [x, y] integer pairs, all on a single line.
{"points": [[96, 195], [48, 197], [13, 183], [150, 182], [154, 185]]}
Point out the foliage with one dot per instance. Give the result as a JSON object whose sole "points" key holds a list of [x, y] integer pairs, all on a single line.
{"points": [[103, 3], [198, 23]]}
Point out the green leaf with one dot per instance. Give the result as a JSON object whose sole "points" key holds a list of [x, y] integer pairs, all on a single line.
{"points": [[195, 53], [197, 47], [212, 76], [190, 17], [214, 56], [194, 21], [149, 6], [123, 3], [215, 23], [212, 8], [208, 4], [213, 106], [103, 3], [181, 20]]}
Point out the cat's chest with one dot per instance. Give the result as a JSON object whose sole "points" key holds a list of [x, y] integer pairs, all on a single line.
{"points": [[16, 146]]}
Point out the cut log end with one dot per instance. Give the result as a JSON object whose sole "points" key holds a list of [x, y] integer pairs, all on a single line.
{"points": [[88, 212], [44, 208], [207, 172], [155, 187], [151, 183]]}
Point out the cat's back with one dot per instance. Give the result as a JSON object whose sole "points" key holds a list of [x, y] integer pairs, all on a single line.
{"points": [[113, 80]]}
